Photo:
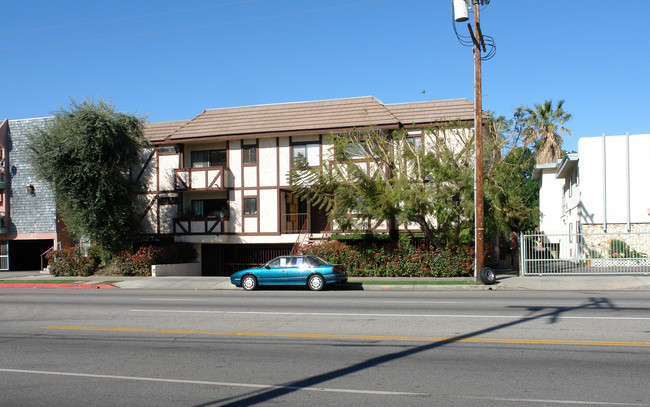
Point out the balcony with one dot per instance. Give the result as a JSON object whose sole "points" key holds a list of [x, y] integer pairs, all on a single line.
{"points": [[199, 226], [200, 179]]}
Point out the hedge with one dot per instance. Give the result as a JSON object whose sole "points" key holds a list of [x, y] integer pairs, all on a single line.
{"points": [[400, 260]]}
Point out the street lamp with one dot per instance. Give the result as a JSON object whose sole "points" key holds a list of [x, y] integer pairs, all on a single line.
{"points": [[484, 49]]}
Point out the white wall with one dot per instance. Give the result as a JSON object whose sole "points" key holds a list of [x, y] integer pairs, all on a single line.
{"points": [[592, 185]]}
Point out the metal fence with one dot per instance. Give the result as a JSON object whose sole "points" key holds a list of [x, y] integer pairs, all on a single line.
{"points": [[583, 253]]}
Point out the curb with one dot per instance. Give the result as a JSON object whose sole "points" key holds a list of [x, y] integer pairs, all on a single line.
{"points": [[46, 285]]}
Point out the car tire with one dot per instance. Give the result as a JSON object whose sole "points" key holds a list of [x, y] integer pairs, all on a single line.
{"points": [[487, 276], [316, 282], [249, 283]]}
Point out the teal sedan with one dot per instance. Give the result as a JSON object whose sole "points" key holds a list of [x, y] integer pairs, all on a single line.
{"points": [[311, 271]]}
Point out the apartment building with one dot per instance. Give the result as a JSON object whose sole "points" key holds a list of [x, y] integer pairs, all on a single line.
{"points": [[219, 180]]}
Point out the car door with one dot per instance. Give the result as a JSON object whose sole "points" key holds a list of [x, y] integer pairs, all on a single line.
{"points": [[275, 271], [299, 270]]}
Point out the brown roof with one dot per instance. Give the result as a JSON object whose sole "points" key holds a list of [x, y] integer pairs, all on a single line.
{"points": [[419, 113], [309, 117], [161, 130], [321, 115]]}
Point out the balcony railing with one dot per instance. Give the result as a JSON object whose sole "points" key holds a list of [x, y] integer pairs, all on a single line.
{"points": [[200, 179], [292, 222], [199, 226]]}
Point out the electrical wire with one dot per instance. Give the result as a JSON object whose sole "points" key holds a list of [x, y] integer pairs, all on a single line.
{"points": [[466, 41]]}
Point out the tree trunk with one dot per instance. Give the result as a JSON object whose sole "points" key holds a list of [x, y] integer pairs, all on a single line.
{"points": [[424, 226]]}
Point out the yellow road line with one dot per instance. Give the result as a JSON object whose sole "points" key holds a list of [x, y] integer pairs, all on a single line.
{"points": [[354, 337]]}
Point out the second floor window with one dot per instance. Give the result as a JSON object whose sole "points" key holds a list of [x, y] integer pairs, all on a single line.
{"points": [[250, 206], [310, 152], [208, 158], [202, 208], [250, 155]]}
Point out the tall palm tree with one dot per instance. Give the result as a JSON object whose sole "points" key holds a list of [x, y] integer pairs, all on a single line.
{"points": [[542, 127]]}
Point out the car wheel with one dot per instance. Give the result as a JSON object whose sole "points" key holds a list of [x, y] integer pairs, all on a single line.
{"points": [[249, 283], [487, 276], [316, 282]]}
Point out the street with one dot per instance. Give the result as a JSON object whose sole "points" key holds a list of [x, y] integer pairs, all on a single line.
{"points": [[113, 347]]}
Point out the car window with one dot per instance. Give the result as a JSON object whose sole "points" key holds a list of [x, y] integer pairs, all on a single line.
{"points": [[275, 263], [297, 261]]}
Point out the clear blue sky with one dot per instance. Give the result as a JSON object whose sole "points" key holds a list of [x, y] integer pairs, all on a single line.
{"points": [[171, 60]]}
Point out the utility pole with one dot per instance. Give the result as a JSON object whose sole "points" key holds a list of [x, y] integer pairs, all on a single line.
{"points": [[478, 132], [478, 42]]}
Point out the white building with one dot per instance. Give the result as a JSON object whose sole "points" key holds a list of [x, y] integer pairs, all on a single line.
{"points": [[602, 190]]}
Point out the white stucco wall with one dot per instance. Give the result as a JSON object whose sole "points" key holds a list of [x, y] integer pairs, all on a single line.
{"points": [[592, 183]]}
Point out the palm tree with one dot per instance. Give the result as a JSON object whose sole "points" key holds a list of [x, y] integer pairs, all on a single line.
{"points": [[542, 127]]}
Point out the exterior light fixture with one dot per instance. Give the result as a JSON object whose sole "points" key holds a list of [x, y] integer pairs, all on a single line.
{"points": [[31, 190]]}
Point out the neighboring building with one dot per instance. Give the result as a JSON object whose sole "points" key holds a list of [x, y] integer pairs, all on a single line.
{"points": [[218, 181], [28, 221], [602, 191]]}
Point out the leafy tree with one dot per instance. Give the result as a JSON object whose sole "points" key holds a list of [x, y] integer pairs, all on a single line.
{"points": [[373, 177], [512, 196], [542, 128], [86, 153]]}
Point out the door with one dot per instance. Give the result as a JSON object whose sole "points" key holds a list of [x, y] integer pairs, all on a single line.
{"points": [[275, 272]]}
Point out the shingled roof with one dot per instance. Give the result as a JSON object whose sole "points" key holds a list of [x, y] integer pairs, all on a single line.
{"points": [[421, 113], [317, 116], [159, 131], [308, 117]]}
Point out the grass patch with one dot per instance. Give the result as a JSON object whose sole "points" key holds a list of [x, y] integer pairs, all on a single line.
{"points": [[418, 282]]}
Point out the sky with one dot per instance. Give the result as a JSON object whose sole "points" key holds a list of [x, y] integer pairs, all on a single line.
{"points": [[170, 60]]}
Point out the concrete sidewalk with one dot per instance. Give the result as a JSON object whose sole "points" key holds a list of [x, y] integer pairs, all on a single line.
{"points": [[505, 281]]}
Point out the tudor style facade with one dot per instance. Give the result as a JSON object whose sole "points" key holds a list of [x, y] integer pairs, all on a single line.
{"points": [[219, 180]]}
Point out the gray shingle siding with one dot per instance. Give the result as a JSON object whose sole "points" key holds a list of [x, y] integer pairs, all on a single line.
{"points": [[28, 213]]}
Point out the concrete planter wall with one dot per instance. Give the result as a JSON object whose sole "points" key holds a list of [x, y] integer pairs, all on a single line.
{"points": [[176, 270]]}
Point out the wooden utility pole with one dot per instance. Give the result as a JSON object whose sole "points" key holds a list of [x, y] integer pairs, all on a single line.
{"points": [[478, 133]]}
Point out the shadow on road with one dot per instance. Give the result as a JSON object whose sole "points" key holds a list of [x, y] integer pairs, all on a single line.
{"points": [[262, 396]]}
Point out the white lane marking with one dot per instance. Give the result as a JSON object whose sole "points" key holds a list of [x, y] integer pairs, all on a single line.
{"points": [[316, 389], [550, 401], [211, 383], [424, 302], [337, 314]]}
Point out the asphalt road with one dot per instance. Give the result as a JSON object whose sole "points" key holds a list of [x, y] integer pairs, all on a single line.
{"points": [[64, 347]]}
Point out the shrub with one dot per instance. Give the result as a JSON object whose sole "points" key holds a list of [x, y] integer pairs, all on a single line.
{"points": [[140, 262], [71, 262], [619, 248], [395, 260]]}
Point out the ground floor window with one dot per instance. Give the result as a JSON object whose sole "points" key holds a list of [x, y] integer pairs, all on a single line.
{"points": [[4, 255]]}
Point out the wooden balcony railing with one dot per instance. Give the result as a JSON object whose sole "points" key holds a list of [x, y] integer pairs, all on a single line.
{"points": [[200, 179], [199, 226]]}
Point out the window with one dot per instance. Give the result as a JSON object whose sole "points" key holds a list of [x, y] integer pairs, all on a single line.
{"points": [[250, 155], [310, 152], [415, 141], [250, 206], [208, 158], [204, 208]]}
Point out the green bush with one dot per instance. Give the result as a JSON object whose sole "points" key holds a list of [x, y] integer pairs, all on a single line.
{"points": [[619, 248], [395, 260], [71, 262], [140, 262]]}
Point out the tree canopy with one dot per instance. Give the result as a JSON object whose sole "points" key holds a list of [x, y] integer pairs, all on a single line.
{"points": [[426, 179], [86, 153], [542, 128]]}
